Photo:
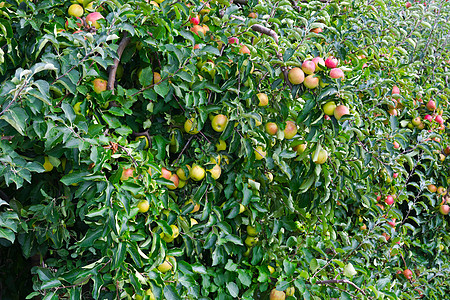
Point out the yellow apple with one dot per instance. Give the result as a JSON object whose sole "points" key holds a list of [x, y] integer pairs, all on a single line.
{"points": [[165, 266], [47, 164], [76, 10], [290, 130], [99, 85], [143, 206], [277, 295], [182, 174], [219, 123], [196, 206], [197, 173], [191, 126], [215, 171], [221, 146], [260, 153], [329, 107], [296, 76], [271, 128], [263, 99], [322, 157]]}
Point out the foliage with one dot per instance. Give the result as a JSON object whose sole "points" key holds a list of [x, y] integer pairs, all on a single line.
{"points": [[64, 147]]}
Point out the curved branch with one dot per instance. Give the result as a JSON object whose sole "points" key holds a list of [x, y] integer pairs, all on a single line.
{"points": [[333, 281], [113, 69]]}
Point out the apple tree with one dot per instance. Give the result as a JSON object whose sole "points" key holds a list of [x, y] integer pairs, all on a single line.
{"points": [[224, 149]]}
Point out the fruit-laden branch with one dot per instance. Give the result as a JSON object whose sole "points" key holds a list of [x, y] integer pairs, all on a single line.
{"points": [[333, 281], [113, 69]]}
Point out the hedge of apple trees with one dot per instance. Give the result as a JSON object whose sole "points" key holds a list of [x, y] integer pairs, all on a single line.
{"points": [[224, 149]]}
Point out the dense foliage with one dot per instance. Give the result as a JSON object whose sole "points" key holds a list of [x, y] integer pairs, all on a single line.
{"points": [[97, 118]]}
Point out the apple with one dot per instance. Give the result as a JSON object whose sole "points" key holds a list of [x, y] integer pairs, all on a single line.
{"points": [[378, 197], [331, 62], [318, 61], [260, 153], [395, 90], [174, 178], [252, 15], [76, 10], [311, 82], [251, 241], [392, 223], [396, 145], [165, 266], [244, 50], [156, 77], [421, 126], [447, 150], [393, 112], [126, 173], [271, 269], [196, 46], [431, 105], [165, 173], [277, 295], [233, 40], [408, 4], [195, 20], [432, 188], [395, 175], [251, 231], [215, 171], [329, 107], [341, 110], [271, 128], [322, 157], [363, 227], [99, 85], [144, 138], [221, 145], [197, 173], [308, 67], [416, 121], [316, 30], [196, 206], [197, 29], [389, 200], [92, 18], [143, 206], [439, 119], [428, 118], [300, 148], [408, 274], [290, 130], [296, 76], [47, 164], [336, 73], [444, 209], [191, 126], [263, 99], [219, 123], [441, 190]]}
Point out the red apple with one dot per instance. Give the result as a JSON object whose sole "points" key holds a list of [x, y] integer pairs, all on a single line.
{"points": [[308, 67], [439, 119], [244, 50], [378, 197], [331, 62], [316, 30], [428, 118], [126, 173], [408, 4], [395, 90], [408, 274], [444, 209], [340, 111], [233, 40], [389, 200], [195, 20], [395, 175], [431, 105], [166, 173], [392, 223], [336, 73], [396, 145], [318, 61], [92, 18]]}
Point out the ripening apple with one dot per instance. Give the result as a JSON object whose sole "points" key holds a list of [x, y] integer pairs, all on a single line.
{"points": [[322, 157], [396, 145], [408, 4], [126, 173], [271, 128], [93, 18], [215, 171], [290, 130], [340, 111], [259, 153], [99, 85], [439, 119], [428, 118], [263, 99], [308, 67], [76, 10], [197, 29], [331, 62], [311, 82], [329, 107], [336, 73], [416, 121], [277, 295], [195, 20], [244, 50], [318, 61], [233, 40], [408, 274], [300, 148], [447, 150], [444, 209], [395, 90], [197, 173], [191, 126], [389, 200], [174, 178], [156, 77], [431, 105], [219, 123], [316, 30], [296, 75]]}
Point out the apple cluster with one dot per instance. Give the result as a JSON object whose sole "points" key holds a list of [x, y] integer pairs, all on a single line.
{"points": [[90, 22]]}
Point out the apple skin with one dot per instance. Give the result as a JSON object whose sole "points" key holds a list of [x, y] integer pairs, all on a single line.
{"points": [[396, 145], [389, 200], [259, 153], [244, 50], [318, 61], [322, 157], [263, 99], [93, 18], [191, 126], [126, 173], [416, 121], [395, 90], [195, 20], [329, 107], [296, 76], [308, 67], [300, 148], [311, 82], [439, 119], [408, 4], [76, 10], [431, 105], [99, 85], [340, 111], [331, 62], [336, 73], [317, 30], [165, 173], [197, 29], [271, 128], [408, 274], [290, 130], [277, 295], [219, 123], [447, 150], [428, 118], [252, 15], [197, 173], [233, 40], [174, 178]]}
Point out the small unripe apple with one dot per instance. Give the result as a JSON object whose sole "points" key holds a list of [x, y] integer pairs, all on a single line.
{"points": [[322, 157], [92, 18], [300, 148], [219, 123], [416, 121], [340, 111], [329, 107], [431, 105], [308, 67], [195, 20], [271, 128], [296, 76], [331, 62], [311, 82], [290, 130], [277, 295], [395, 90], [336, 73], [389, 200]]}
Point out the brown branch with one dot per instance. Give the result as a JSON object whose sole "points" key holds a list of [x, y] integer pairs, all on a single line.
{"points": [[333, 281], [242, 2], [113, 69], [295, 6]]}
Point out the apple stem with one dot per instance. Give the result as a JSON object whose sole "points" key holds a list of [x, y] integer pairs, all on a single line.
{"points": [[113, 69]]}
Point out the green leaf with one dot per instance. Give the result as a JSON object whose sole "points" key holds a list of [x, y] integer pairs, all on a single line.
{"points": [[17, 118], [233, 289], [7, 234], [170, 293]]}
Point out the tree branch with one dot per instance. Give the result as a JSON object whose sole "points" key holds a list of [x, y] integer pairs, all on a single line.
{"points": [[113, 69], [333, 281]]}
